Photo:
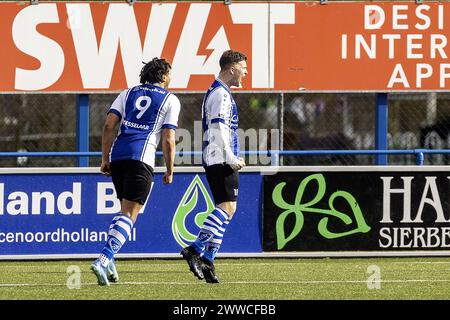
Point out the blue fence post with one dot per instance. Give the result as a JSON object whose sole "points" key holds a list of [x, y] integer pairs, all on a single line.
{"points": [[82, 134], [420, 158], [381, 127]]}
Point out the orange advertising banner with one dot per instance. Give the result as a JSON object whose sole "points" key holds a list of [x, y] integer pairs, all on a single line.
{"points": [[341, 46]]}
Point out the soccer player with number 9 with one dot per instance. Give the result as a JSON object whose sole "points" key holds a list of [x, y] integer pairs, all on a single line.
{"points": [[144, 113]]}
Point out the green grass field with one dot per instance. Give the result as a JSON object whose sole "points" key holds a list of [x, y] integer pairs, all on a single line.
{"points": [[241, 279]]}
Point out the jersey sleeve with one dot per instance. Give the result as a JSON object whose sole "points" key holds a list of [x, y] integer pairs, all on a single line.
{"points": [[220, 106], [118, 106], [172, 113], [223, 138]]}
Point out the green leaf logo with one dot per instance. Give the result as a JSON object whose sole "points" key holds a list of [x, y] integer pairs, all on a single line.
{"points": [[187, 205], [299, 207]]}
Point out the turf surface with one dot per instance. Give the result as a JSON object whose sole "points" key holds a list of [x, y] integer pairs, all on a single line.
{"points": [[241, 279]]}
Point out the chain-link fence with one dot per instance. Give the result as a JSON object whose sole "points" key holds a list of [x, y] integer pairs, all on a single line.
{"points": [[287, 121], [37, 122]]}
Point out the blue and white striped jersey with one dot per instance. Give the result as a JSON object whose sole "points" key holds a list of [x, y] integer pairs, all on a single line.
{"points": [[144, 111], [220, 124]]}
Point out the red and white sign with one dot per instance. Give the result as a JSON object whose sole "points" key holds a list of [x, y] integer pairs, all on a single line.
{"points": [[351, 46]]}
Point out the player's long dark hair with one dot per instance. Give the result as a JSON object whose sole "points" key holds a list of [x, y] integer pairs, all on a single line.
{"points": [[154, 71]]}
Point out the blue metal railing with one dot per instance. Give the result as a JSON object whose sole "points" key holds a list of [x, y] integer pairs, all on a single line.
{"points": [[274, 154]]}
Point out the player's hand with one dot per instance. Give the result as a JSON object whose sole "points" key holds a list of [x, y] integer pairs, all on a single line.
{"points": [[168, 178], [238, 164], [242, 163], [105, 168]]}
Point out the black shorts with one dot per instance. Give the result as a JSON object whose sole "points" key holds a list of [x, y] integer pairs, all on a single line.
{"points": [[223, 182], [132, 180]]}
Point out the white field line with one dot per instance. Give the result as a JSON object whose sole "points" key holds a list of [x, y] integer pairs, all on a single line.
{"points": [[144, 283], [156, 266], [420, 262], [265, 264], [262, 264]]}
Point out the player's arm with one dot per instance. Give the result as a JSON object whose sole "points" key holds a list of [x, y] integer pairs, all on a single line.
{"points": [[109, 132], [168, 147], [108, 135], [220, 107], [222, 138], [168, 135]]}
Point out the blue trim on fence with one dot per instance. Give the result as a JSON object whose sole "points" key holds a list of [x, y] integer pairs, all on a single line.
{"points": [[274, 154]]}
